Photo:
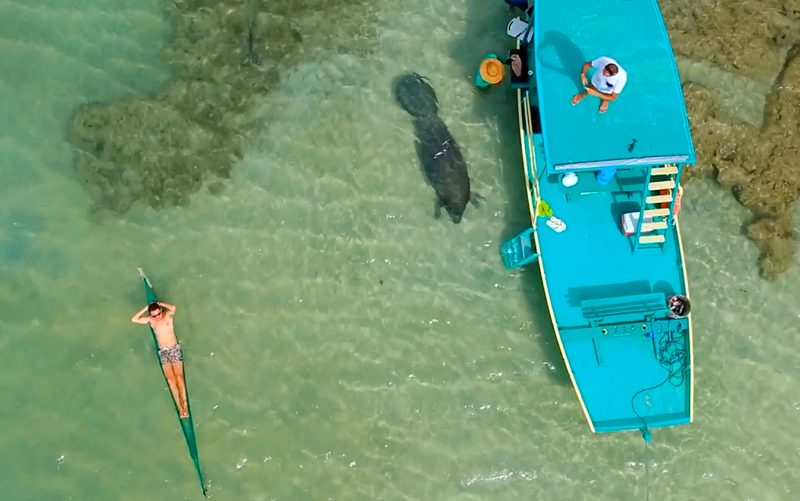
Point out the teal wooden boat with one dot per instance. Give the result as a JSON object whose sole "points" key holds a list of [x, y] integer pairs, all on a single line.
{"points": [[187, 424], [615, 282]]}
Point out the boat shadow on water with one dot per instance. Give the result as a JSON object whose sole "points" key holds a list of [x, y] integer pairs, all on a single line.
{"points": [[497, 105]]}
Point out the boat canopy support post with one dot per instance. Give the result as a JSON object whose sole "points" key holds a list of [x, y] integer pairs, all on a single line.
{"points": [[518, 251]]}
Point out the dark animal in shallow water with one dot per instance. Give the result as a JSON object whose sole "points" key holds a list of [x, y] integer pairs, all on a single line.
{"points": [[441, 158], [415, 95]]}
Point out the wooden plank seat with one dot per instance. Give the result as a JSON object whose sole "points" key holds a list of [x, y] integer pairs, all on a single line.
{"points": [[623, 308]]}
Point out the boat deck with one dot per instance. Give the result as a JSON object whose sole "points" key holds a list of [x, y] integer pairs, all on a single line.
{"points": [[593, 259]]}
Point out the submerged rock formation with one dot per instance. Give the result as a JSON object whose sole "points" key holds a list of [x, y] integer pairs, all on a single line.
{"points": [[759, 164], [224, 55], [746, 38]]}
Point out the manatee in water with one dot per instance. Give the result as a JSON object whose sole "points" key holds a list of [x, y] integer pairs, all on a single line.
{"points": [[415, 95], [439, 154]]}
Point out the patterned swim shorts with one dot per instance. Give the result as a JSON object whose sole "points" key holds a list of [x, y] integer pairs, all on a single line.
{"points": [[170, 354]]}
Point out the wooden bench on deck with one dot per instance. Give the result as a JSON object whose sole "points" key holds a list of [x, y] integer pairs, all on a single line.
{"points": [[618, 309]]}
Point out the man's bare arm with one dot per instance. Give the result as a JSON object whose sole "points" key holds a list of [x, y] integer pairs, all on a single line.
{"points": [[585, 70], [139, 318], [601, 95], [168, 306]]}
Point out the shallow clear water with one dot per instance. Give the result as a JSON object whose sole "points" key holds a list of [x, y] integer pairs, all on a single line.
{"points": [[341, 343]]}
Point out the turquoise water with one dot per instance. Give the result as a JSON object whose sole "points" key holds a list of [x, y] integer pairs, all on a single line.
{"points": [[341, 343]]}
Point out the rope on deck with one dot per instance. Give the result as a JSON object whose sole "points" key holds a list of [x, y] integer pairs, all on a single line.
{"points": [[672, 357]]}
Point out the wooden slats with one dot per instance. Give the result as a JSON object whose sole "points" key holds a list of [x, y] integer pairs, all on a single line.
{"points": [[664, 171], [656, 212], [651, 239], [661, 185], [658, 199], [658, 193], [655, 225]]}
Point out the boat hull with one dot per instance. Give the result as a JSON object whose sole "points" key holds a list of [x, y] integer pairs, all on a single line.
{"points": [[628, 374]]}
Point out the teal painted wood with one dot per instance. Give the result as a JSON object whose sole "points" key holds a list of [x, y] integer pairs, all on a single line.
{"points": [[650, 108], [518, 251], [639, 307], [187, 425], [630, 362]]}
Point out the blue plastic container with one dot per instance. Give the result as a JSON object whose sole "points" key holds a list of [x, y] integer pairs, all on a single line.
{"points": [[605, 175]]}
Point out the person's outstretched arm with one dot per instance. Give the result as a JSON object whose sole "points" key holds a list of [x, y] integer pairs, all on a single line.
{"points": [[139, 318]]}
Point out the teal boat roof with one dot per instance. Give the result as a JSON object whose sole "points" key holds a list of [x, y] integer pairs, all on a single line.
{"points": [[647, 124]]}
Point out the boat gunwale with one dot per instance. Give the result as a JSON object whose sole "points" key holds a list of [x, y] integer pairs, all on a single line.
{"points": [[533, 184], [688, 319]]}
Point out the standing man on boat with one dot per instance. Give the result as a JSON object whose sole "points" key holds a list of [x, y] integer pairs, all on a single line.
{"points": [[169, 350], [607, 82]]}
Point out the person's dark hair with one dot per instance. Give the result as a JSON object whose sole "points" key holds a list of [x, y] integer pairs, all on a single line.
{"points": [[153, 307], [612, 68], [679, 306]]}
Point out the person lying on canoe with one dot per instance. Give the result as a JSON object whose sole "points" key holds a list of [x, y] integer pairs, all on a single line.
{"points": [[169, 350]]}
